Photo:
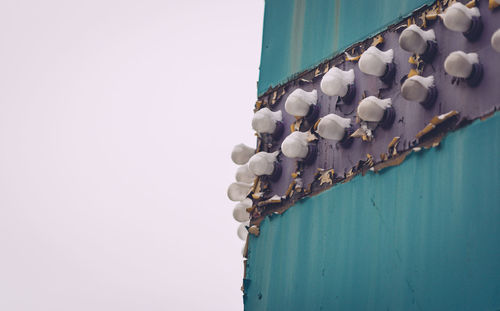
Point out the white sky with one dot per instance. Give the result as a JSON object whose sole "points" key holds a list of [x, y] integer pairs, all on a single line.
{"points": [[117, 118]]}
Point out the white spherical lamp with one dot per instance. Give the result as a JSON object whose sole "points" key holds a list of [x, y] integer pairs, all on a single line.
{"points": [[265, 164], [495, 40], [266, 121], [303, 104], [240, 213], [414, 39], [337, 82], [373, 109], [241, 154], [464, 65], [297, 146], [420, 89], [238, 191], [336, 128], [378, 63], [460, 18], [243, 174]]}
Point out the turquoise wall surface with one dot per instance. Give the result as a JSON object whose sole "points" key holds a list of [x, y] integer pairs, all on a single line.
{"points": [[299, 34], [424, 235]]}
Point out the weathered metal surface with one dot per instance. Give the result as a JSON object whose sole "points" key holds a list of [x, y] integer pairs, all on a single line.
{"points": [[300, 34], [411, 117], [420, 236]]}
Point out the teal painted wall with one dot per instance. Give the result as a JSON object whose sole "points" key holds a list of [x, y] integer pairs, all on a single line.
{"points": [[299, 34], [424, 235]]}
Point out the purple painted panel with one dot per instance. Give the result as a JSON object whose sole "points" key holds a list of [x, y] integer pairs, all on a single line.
{"points": [[411, 117]]}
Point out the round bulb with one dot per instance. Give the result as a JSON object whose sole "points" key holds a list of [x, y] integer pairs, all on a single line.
{"points": [[333, 126], [241, 154], [262, 163], [336, 81], [372, 109], [374, 61], [495, 40], [240, 213], [298, 102], [459, 64], [413, 39], [295, 145], [458, 17], [238, 191], [243, 174], [416, 88], [242, 231], [264, 120]]}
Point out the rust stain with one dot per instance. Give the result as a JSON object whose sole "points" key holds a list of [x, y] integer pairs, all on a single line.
{"points": [[392, 147], [258, 105], [392, 162], [412, 60], [486, 116], [350, 58], [435, 122], [378, 40], [254, 230], [412, 73], [326, 176], [471, 4], [492, 4]]}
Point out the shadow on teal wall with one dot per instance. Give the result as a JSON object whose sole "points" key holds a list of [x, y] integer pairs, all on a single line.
{"points": [[299, 34], [424, 235]]}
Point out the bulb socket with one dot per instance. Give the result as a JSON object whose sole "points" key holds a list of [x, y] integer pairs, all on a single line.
{"points": [[312, 153], [276, 174], [430, 99], [388, 118], [313, 114], [475, 29], [388, 76], [475, 76], [347, 140], [430, 52], [278, 131], [349, 96]]}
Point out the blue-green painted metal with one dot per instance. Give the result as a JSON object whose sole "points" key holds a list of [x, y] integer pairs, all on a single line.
{"points": [[424, 235], [299, 34]]}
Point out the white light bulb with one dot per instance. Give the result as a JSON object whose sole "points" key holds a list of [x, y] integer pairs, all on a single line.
{"points": [[242, 231], [241, 154], [335, 82], [299, 101], [262, 163], [238, 191], [458, 17], [372, 109], [374, 61], [264, 120], [295, 145], [459, 64], [495, 40], [413, 39], [240, 213], [333, 126], [416, 88], [243, 174]]}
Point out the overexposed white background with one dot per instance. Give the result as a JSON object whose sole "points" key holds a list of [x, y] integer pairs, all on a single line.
{"points": [[117, 119]]}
